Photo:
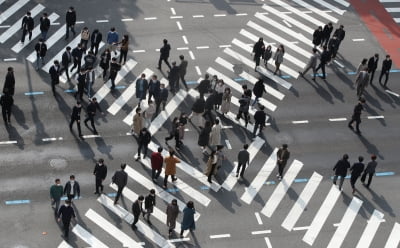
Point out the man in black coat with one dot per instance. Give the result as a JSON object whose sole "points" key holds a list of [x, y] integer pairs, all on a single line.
{"points": [[27, 26], [258, 50], [6, 102], [340, 34], [137, 209], [143, 142], [149, 203], [54, 72], [356, 171], [120, 178], [66, 59], [333, 46], [182, 70], [66, 213], [340, 169], [258, 90], [41, 50], [198, 110], [386, 65], [372, 65], [91, 112], [164, 54], [76, 117], [95, 40], [81, 84], [204, 86], [114, 69], [70, 20], [44, 26], [154, 88], [326, 33], [77, 54], [173, 77], [72, 188], [370, 171], [209, 106], [324, 59], [259, 120], [100, 173], [317, 37], [356, 117], [9, 84]]}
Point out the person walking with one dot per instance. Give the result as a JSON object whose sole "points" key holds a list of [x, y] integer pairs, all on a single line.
{"points": [[41, 50], [6, 102], [226, 101], [188, 218], [112, 40], [219, 92], [90, 61], [312, 64], [258, 90], [244, 109], [243, 160], [77, 54], [209, 106], [72, 189], [370, 171], [91, 113], [362, 66], [258, 51], [9, 83], [27, 26], [54, 72], [120, 178], [340, 33], [317, 37], [182, 70], [372, 66], [173, 78], [149, 113], [70, 20], [124, 48], [356, 171], [267, 55], [137, 209], [114, 69], [174, 132], [198, 111], [333, 46], [172, 213], [356, 117], [204, 86], [278, 57], [66, 59], [137, 123], [259, 121], [386, 65], [162, 98], [95, 38], [66, 213], [204, 136], [324, 59], [164, 54], [105, 59], [76, 117], [340, 170], [44, 26], [156, 163], [149, 203], [326, 33], [143, 142], [215, 134], [56, 192], [361, 81], [154, 88], [81, 78], [211, 167], [283, 155], [170, 167], [100, 173], [141, 88]]}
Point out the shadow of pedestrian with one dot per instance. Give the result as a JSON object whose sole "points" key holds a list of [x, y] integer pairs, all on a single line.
{"points": [[14, 135], [381, 202], [371, 149], [103, 147], [19, 116]]}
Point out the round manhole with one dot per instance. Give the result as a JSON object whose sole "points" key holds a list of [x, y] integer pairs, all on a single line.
{"points": [[284, 138], [58, 163]]}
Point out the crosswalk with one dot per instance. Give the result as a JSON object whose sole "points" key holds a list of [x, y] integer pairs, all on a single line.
{"points": [[393, 8]]}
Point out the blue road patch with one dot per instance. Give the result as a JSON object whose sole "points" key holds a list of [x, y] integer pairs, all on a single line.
{"points": [[381, 174], [65, 198], [301, 180], [172, 190], [394, 70], [120, 87], [17, 202], [191, 82], [112, 194], [34, 93], [239, 79], [70, 91], [204, 187], [285, 76], [270, 182]]}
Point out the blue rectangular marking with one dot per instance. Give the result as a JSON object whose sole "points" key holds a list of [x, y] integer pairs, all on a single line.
{"points": [[346, 177], [285, 76], [394, 70], [65, 198], [120, 87], [16, 202], [33, 93], [192, 82], [70, 91], [172, 190], [239, 79], [351, 73], [112, 194], [388, 173], [204, 187], [270, 182], [301, 180]]}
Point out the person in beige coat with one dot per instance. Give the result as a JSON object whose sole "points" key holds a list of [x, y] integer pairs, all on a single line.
{"points": [[211, 168], [170, 167], [138, 122], [215, 135], [226, 101]]}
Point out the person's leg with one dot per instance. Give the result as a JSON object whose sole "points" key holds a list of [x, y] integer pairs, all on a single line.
{"points": [[119, 192], [159, 62], [341, 182], [280, 170], [386, 78], [165, 180], [8, 110], [158, 173], [238, 169], [358, 125], [364, 175], [78, 124], [370, 175], [335, 179], [243, 168], [135, 220], [4, 112], [92, 123], [372, 76], [57, 202], [67, 32], [98, 183], [66, 228], [166, 62]]}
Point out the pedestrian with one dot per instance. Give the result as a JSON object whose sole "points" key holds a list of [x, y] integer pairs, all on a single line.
{"points": [[317, 37], [361, 81], [340, 34], [112, 40], [91, 113], [124, 48], [244, 109], [81, 78], [137, 123], [100, 173], [170, 167], [70, 20], [154, 88], [370, 171], [77, 54], [258, 90], [183, 118], [312, 64], [44, 26], [219, 92], [372, 65], [283, 155], [209, 106], [220, 156], [27, 26], [226, 101], [182, 70], [324, 59], [188, 218], [66, 59], [164, 54], [326, 33], [76, 117], [172, 213], [90, 61], [278, 57], [149, 113], [259, 121], [56, 192], [356, 117], [174, 132], [362, 66], [105, 59], [149, 203], [156, 164], [204, 86], [120, 178], [386, 65], [204, 136], [72, 189], [258, 51], [141, 88], [54, 72], [6, 102], [211, 166], [243, 160], [143, 142], [114, 69], [340, 170], [95, 38], [66, 213], [267, 55], [198, 111], [333, 46], [215, 135], [137, 209], [162, 98], [173, 78], [356, 171], [9, 82]]}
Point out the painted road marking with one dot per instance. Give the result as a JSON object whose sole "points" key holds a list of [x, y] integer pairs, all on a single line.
{"points": [[10, 11], [228, 144], [219, 15], [173, 11], [322, 215], [361, 39], [150, 18], [300, 228], [198, 16], [301, 203], [179, 25], [346, 4], [300, 122], [338, 119], [300, 180], [17, 202], [182, 48], [298, 12], [185, 39], [268, 242], [198, 70], [241, 14], [192, 56], [10, 59], [393, 10], [224, 46], [376, 117], [127, 19], [261, 232], [220, 236], [64, 244], [176, 17], [101, 21], [394, 237], [392, 93], [138, 51], [330, 6], [87, 237], [258, 217], [34, 93], [91, 136], [314, 10], [389, 173], [52, 139], [370, 230]]}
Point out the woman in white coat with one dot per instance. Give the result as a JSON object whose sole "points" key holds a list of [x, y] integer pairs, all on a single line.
{"points": [[215, 135]]}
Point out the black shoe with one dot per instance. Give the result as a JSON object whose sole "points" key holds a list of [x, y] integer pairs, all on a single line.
{"points": [[138, 158], [95, 133], [351, 127]]}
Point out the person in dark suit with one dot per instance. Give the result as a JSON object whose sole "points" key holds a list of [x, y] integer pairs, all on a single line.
{"points": [[149, 203], [6, 102], [120, 178], [72, 188], [44, 26], [386, 65], [27, 26], [66, 213], [326, 33], [259, 120], [70, 20], [340, 169], [161, 98], [173, 77], [154, 88], [141, 88], [9, 83], [317, 37], [143, 142], [137, 209], [77, 54], [100, 173], [66, 59], [81, 78], [356, 117], [372, 65], [91, 112], [243, 160], [283, 156], [95, 40], [54, 72], [333, 46], [258, 51], [324, 59], [182, 70], [76, 117], [356, 171], [204, 86], [340, 33], [164, 54], [114, 69], [369, 170], [41, 50]]}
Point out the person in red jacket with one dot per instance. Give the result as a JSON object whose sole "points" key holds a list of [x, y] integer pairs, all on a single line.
{"points": [[156, 163]]}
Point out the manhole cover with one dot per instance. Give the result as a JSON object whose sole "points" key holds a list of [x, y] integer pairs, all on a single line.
{"points": [[238, 69], [58, 163], [284, 138]]}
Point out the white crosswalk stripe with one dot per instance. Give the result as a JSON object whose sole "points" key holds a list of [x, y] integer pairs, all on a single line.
{"points": [[35, 33], [370, 230], [64, 244], [58, 57], [344, 3], [299, 12], [87, 237], [314, 10], [10, 11], [17, 25], [394, 239], [330, 6]]}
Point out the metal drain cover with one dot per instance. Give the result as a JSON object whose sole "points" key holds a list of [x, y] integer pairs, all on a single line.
{"points": [[58, 163]]}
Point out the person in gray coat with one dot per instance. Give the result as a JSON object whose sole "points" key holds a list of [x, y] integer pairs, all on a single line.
{"points": [[278, 57], [120, 178], [312, 63], [369, 170], [243, 160], [362, 80], [182, 70], [340, 169], [172, 213]]}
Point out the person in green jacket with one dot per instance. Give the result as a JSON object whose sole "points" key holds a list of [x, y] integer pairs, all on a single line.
{"points": [[56, 192]]}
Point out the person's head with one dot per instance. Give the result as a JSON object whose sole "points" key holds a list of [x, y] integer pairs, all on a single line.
{"points": [[173, 63], [261, 107], [67, 202], [45, 15], [85, 28], [141, 198], [244, 87], [162, 86], [72, 178], [181, 57], [376, 55], [373, 157], [212, 154], [165, 41], [190, 204], [361, 100], [78, 103], [364, 61], [91, 53], [57, 181], [112, 29], [94, 99], [123, 166], [95, 31], [138, 110], [28, 13], [68, 48], [83, 71], [360, 159], [56, 62], [101, 161], [171, 152], [228, 90], [10, 69], [207, 76], [330, 24], [387, 57], [220, 147], [174, 202], [341, 26], [221, 82], [320, 28], [208, 124], [79, 45], [154, 77], [114, 59], [245, 146], [269, 47], [314, 50], [144, 130], [260, 40], [284, 146], [159, 149], [125, 37], [71, 8], [324, 47], [143, 76], [216, 121], [152, 191], [345, 156], [150, 102]]}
